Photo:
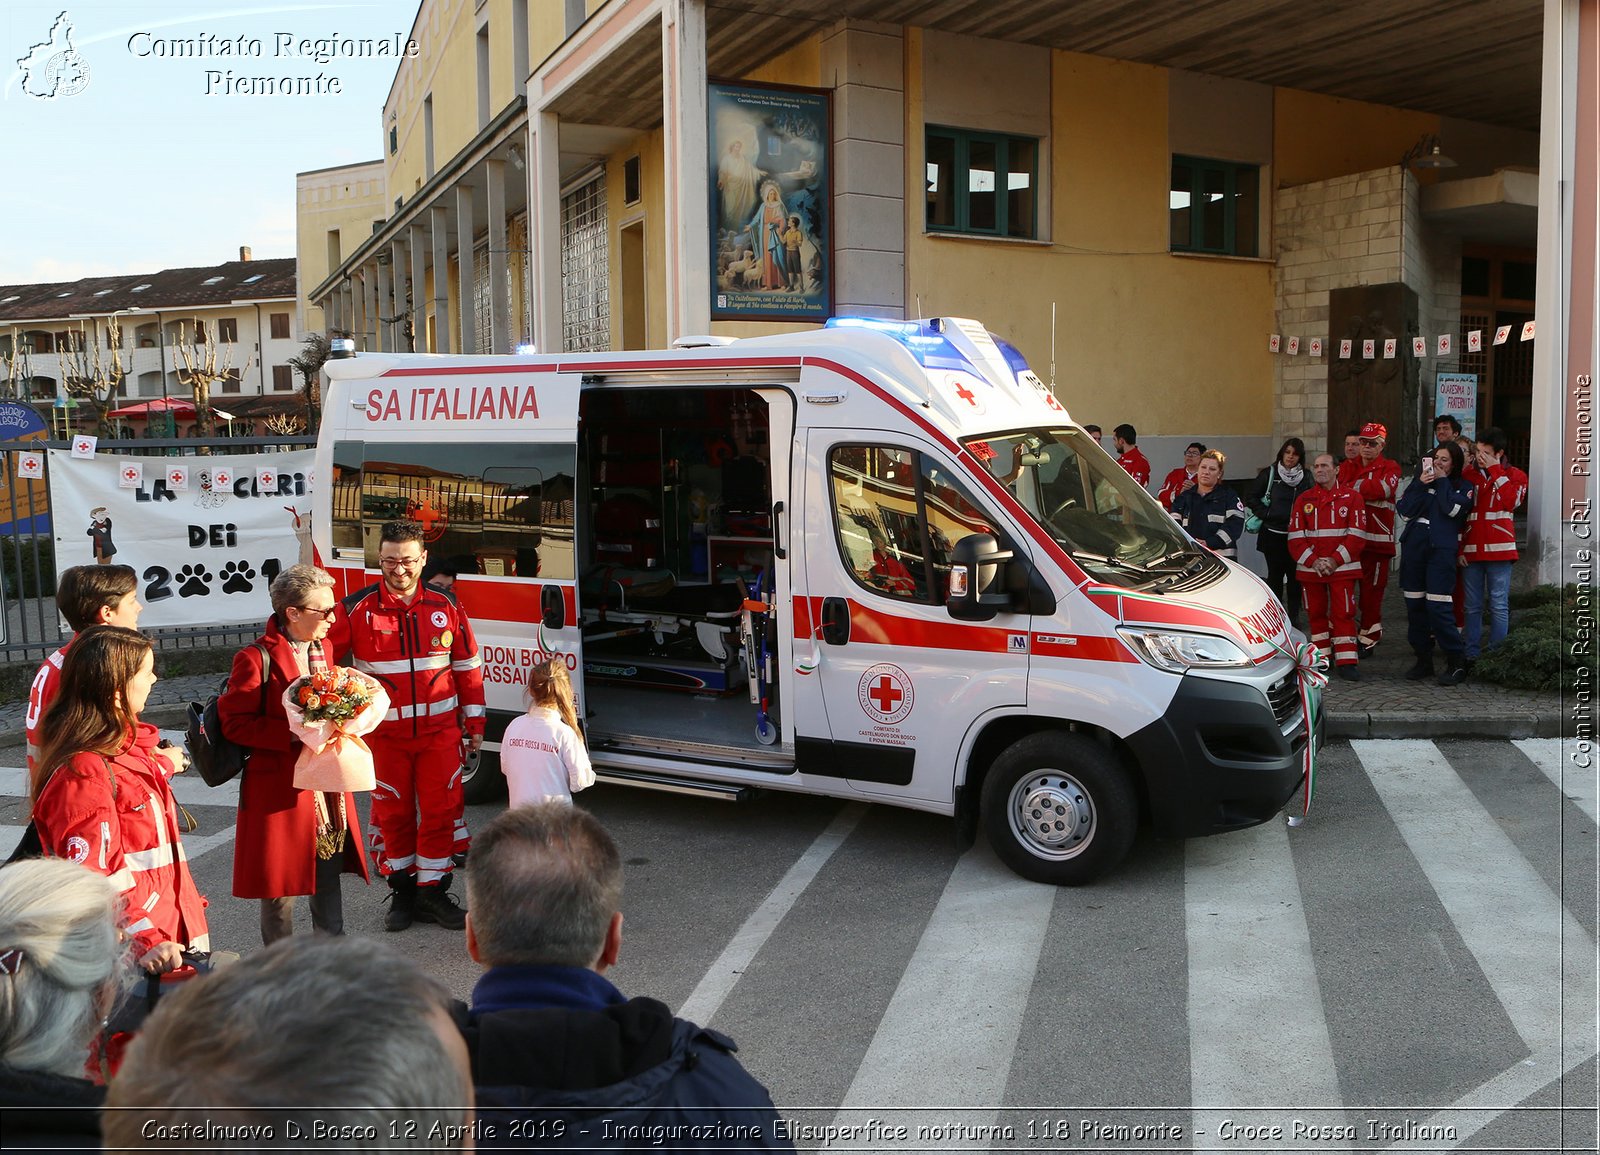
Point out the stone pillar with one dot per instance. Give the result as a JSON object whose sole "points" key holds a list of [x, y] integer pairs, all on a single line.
{"points": [[466, 296], [544, 229], [386, 309], [439, 217], [419, 285], [685, 156], [399, 259], [867, 62], [501, 336], [369, 306]]}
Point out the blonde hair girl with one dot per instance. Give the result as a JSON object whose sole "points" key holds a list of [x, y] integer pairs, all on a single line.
{"points": [[542, 754]]}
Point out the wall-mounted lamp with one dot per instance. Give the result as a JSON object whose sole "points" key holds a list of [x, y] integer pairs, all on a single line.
{"points": [[1426, 153]]}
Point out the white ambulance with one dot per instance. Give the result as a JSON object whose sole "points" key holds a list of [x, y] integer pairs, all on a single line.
{"points": [[873, 561]]}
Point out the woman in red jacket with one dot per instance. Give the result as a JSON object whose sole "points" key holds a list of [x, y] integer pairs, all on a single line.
{"points": [[289, 841], [102, 796]]}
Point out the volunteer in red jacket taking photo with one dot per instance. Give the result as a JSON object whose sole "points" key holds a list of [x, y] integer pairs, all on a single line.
{"points": [[102, 797]]}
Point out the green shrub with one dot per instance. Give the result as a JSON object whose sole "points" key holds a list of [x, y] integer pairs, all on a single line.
{"points": [[1547, 624], [28, 548]]}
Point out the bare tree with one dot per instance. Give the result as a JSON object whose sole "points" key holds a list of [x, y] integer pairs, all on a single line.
{"points": [[201, 371], [18, 362], [92, 368], [308, 363], [285, 424]]}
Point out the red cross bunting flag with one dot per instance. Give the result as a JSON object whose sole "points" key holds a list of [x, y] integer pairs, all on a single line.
{"points": [[1444, 344], [1369, 349], [83, 447], [1314, 349], [1419, 346], [205, 538], [266, 479], [1274, 342], [30, 465], [1475, 341], [1294, 346], [1344, 348], [1527, 331], [1501, 334], [1390, 344]]}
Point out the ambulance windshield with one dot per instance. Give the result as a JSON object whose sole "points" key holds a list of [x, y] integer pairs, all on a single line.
{"points": [[1087, 502]]}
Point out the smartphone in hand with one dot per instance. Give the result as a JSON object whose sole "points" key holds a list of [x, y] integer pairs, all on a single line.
{"points": [[1427, 469]]}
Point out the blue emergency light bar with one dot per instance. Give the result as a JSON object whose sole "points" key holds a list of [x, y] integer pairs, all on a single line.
{"points": [[926, 342]]}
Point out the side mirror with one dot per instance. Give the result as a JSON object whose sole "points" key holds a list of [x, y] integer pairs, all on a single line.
{"points": [[977, 579]]}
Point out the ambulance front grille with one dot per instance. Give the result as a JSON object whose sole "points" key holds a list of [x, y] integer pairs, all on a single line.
{"points": [[1284, 697]]}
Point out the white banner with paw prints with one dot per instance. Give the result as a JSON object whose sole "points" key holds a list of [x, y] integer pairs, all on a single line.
{"points": [[205, 535]]}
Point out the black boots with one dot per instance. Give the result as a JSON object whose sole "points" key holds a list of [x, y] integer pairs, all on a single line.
{"points": [[1423, 668], [434, 904], [1350, 672], [402, 902], [1455, 671]]}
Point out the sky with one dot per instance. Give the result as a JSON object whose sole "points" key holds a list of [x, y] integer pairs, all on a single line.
{"points": [[127, 155]]}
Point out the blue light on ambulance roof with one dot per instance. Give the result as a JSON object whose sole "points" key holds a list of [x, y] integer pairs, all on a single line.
{"points": [[921, 338], [1013, 356]]}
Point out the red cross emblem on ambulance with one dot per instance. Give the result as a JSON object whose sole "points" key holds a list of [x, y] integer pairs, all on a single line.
{"points": [[885, 693], [966, 392]]}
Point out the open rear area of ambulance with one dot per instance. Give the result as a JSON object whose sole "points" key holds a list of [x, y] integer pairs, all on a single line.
{"points": [[676, 576]]}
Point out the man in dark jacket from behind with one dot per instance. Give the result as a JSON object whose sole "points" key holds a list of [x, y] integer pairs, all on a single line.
{"points": [[560, 1057]]}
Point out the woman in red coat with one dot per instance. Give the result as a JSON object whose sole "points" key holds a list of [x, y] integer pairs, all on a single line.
{"points": [[289, 841]]}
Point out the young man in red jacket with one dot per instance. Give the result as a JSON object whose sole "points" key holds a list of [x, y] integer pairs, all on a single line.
{"points": [[416, 641], [1129, 456], [1377, 480], [1181, 478], [86, 595], [1326, 540], [1489, 542]]}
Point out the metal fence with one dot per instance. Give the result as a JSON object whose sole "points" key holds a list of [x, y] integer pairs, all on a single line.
{"points": [[33, 628]]}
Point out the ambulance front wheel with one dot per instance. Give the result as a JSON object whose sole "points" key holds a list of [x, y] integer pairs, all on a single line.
{"points": [[481, 780], [1059, 809]]}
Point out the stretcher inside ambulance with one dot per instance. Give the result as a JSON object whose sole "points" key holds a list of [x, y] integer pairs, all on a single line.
{"points": [[876, 560]]}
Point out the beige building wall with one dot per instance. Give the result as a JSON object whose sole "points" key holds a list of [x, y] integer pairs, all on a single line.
{"points": [[334, 211]]}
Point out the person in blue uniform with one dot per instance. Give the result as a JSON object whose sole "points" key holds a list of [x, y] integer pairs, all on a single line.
{"points": [[1436, 505]]}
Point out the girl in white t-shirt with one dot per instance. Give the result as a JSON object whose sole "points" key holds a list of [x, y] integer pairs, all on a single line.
{"points": [[542, 754]]}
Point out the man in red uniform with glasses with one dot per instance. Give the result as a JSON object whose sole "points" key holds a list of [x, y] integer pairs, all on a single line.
{"points": [[1377, 480], [416, 640]]}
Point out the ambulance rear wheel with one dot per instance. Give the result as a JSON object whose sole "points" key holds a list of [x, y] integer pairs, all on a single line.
{"points": [[1059, 809], [481, 780]]}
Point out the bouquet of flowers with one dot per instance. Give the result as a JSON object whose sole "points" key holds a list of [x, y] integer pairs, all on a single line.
{"points": [[329, 711]]}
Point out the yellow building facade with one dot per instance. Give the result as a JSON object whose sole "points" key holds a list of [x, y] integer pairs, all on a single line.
{"points": [[549, 169]]}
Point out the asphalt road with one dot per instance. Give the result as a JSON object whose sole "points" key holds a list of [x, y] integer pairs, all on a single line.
{"points": [[1415, 967]]}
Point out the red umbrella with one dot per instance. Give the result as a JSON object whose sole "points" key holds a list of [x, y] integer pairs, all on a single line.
{"points": [[177, 406]]}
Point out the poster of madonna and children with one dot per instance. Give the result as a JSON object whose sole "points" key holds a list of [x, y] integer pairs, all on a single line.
{"points": [[769, 202]]}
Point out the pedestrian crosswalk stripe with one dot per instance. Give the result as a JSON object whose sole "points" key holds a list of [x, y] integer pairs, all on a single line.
{"points": [[1257, 1033], [1560, 762], [1507, 917], [723, 975], [947, 1037]]}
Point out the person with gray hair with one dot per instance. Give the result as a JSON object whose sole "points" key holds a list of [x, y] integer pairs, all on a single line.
{"points": [[559, 1054], [289, 841], [63, 967], [316, 1041]]}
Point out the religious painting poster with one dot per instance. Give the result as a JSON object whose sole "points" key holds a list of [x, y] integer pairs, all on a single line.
{"points": [[771, 218], [204, 554]]}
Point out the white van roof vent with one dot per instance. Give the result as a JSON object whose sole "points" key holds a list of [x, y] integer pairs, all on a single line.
{"points": [[702, 341]]}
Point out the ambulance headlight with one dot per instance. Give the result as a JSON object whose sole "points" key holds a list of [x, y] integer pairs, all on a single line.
{"points": [[1178, 652]]}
